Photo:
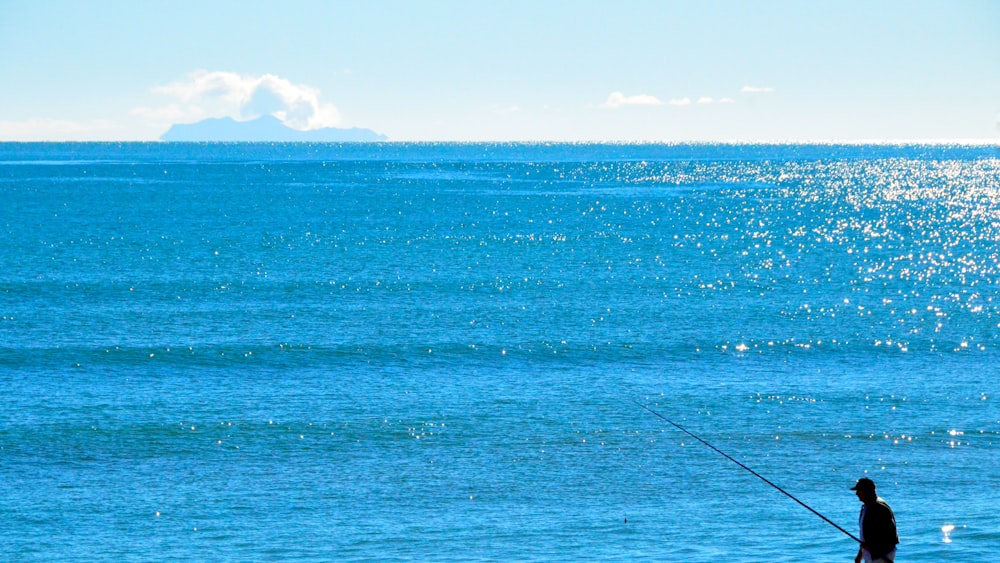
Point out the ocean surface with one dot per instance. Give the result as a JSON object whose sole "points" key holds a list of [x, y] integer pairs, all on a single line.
{"points": [[438, 352]]}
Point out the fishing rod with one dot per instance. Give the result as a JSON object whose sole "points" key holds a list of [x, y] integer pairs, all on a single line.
{"points": [[758, 475]]}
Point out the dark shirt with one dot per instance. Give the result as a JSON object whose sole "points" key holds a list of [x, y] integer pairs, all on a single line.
{"points": [[879, 528]]}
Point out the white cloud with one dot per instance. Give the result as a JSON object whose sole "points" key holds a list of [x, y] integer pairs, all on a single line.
{"points": [[203, 94], [756, 90], [617, 100]]}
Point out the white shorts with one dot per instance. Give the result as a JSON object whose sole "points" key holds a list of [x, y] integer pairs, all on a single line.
{"points": [[887, 558]]}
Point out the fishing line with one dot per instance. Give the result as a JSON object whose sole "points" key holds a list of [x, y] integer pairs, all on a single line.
{"points": [[758, 475]]}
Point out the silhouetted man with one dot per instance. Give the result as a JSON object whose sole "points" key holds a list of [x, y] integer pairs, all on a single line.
{"points": [[878, 525]]}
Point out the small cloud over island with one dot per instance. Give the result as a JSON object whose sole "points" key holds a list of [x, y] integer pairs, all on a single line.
{"points": [[228, 106], [203, 94]]}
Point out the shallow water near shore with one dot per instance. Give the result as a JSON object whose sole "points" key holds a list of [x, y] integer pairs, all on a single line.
{"points": [[394, 352]]}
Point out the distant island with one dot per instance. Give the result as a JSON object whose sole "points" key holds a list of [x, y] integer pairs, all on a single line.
{"points": [[263, 129]]}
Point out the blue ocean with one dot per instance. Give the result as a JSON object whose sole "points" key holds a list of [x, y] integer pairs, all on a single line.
{"points": [[441, 352]]}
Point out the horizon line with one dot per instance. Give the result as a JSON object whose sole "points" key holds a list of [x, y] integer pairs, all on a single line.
{"points": [[887, 141]]}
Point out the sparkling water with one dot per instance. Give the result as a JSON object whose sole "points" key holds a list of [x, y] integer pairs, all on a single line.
{"points": [[254, 352]]}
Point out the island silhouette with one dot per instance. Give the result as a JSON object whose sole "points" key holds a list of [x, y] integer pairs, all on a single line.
{"points": [[263, 129]]}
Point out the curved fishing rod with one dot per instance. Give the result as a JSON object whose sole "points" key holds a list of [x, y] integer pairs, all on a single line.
{"points": [[758, 475]]}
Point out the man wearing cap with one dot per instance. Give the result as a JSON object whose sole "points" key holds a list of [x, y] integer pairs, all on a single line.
{"points": [[878, 525]]}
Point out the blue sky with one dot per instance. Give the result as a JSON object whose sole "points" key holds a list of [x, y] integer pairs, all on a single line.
{"points": [[506, 70]]}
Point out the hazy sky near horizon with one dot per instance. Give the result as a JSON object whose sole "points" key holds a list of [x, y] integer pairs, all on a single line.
{"points": [[622, 70]]}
